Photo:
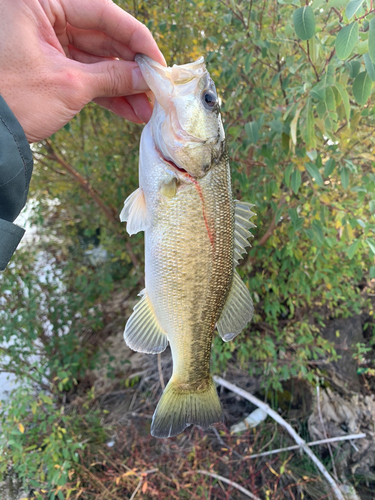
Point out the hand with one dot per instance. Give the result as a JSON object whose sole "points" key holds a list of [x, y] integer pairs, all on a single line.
{"points": [[58, 55]]}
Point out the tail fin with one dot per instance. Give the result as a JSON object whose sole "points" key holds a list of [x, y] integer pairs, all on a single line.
{"points": [[180, 407]]}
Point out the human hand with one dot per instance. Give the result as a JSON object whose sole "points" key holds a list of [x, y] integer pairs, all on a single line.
{"points": [[58, 55]]}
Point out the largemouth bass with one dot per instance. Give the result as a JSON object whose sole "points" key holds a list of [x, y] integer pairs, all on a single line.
{"points": [[195, 234]]}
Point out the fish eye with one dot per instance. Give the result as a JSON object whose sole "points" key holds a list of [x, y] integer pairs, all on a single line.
{"points": [[209, 99]]}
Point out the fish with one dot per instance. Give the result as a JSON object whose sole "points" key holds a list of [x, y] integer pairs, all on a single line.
{"points": [[195, 235]]}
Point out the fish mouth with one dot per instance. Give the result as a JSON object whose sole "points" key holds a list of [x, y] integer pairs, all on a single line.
{"points": [[171, 163]]}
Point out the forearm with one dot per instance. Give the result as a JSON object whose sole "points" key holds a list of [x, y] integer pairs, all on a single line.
{"points": [[16, 165]]}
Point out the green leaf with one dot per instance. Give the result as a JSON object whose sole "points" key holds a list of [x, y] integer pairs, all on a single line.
{"points": [[354, 67], [371, 40], [344, 174], [329, 167], [295, 181], [345, 100], [330, 99], [309, 132], [314, 172], [346, 40], [352, 8], [304, 22], [287, 174], [252, 131], [370, 66], [353, 248], [362, 87], [372, 272], [371, 244]]}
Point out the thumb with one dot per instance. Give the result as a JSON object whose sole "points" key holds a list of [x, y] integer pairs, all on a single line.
{"points": [[113, 78]]}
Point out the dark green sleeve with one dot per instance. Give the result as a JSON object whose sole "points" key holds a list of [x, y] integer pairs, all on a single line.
{"points": [[16, 166]]}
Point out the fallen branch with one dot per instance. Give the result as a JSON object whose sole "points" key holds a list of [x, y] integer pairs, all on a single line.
{"points": [[289, 428], [312, 443], [227, 481]]}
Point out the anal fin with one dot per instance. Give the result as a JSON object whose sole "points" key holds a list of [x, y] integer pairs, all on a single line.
{"points": [[238, 310], [135, 212], [142, 331]]}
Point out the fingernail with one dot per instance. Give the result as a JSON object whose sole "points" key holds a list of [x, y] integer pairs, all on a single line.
{"points": [[139, 83]]}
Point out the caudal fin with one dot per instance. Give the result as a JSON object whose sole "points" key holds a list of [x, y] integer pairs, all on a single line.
{"points": [[179, 407]]}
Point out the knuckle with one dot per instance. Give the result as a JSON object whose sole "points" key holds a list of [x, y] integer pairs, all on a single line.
{"points": [[119, 80]]}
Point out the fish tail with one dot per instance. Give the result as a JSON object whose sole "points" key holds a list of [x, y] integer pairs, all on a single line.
{"points": [[181, 406]]}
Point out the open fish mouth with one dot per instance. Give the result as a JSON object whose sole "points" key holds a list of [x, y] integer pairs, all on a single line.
{"points": [[179, 171]]}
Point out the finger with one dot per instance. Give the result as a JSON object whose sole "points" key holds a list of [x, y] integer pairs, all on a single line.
{"points": [[104, 15], [112, 79], [119, 106], [98, 43], [141, 106], [84, 57]]}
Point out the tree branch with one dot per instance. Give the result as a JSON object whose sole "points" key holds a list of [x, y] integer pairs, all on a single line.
{"points": [[86, 186], [273, 224]]}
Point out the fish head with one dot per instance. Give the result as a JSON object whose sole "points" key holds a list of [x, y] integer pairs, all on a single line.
{"points": [[186, 124]]}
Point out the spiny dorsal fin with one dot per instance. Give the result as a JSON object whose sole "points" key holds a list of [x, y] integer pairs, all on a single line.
{"points": [[238, 310], [142, 331], [242, 215], [135, 212]]}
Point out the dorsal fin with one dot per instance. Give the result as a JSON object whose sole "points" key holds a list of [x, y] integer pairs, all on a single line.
{"points": [[135, 212], [242, 224]]}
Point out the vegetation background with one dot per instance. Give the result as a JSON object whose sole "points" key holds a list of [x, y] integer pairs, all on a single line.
{"points": [[295, 80]]}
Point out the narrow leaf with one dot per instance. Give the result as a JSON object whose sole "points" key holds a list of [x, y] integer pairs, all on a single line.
{"points": [[295, 181], [352, 8], [345, 100], [252, 130], [293, 126], [304, 22], [309, 129], [371, 40], [362, 87], [353, 248], [344, 174], [370, 66], [314, 172], [371, 244], [346, 39], [329, 167]]}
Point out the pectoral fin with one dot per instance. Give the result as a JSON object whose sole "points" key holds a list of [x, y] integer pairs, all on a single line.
{"points": [[135, 212], [143, 332], [238, 310], [242, 214]]}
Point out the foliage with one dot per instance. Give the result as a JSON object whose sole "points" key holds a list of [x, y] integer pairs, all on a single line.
{"points": [[295, 80]]}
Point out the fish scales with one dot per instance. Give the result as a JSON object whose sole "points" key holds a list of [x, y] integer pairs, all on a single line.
{"points": [[194, 235]]}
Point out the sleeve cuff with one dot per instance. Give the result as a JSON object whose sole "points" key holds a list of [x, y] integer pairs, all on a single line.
{"points": [[10, 236]]}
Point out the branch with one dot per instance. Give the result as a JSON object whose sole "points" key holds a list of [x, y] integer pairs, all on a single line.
{"points": [[312, 443], [288, 427], [272, 227], [108, 212], [231, 483]]}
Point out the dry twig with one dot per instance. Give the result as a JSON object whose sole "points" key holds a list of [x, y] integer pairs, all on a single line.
{"points": [[312, 443], [289, 428], [231, 483]]}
